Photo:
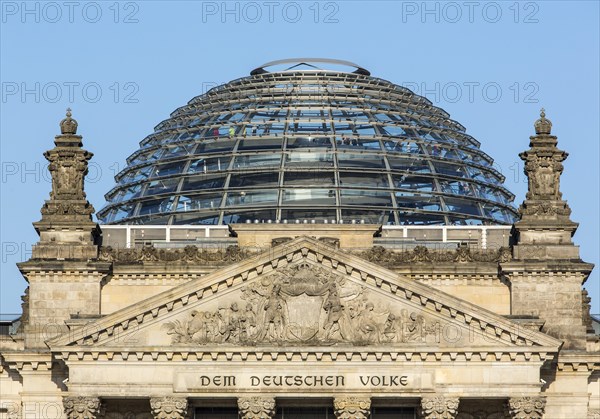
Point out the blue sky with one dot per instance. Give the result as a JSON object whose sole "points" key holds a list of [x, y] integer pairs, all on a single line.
{"points": [[124, 66]]}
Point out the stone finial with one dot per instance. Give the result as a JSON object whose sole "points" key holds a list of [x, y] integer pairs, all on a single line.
{"points": [[169, 407], [543, 126], [526, 407], [543, 168], [439, 407], [256, 407], [82, 407], [352, 407], [68, 126]]}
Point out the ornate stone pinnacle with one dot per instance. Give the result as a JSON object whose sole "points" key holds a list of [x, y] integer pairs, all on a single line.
{"points": [[68, 126], [543, 125]]}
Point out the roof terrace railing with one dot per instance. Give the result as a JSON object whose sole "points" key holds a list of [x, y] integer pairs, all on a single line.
{"points": [[393, 236]]}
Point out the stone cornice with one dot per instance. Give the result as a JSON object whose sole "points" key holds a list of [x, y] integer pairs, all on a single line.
{"points": [[310, 250], [532, 267], [349, 354], [63, 267], [28, 361], [581, 362]]}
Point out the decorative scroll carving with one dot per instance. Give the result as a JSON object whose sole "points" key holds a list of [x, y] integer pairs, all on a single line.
{"points": [[13, 410], [526, 407], [83, 407], [593, 414], [256, 407], [187, 254], [439, 407], [169, 407], [352, 407], [545, 208], [421, 254], [67, 208], [302, 304], [280, 240], [331, 241]]}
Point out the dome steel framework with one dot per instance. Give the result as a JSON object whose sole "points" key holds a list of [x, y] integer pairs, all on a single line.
{"points": [[309, 144]]}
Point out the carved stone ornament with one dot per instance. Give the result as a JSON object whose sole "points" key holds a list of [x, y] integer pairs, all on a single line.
{"points": [[421, 254], [544, 208], [169, 407], [543, 167], [593, 414], [83, 407], [13, 410], [543, 126], [68, 166], [256, 407], [352, 407], [439, 407], [526, 407], [189, 254], [586, 309], [302, 304], [68, 126]]}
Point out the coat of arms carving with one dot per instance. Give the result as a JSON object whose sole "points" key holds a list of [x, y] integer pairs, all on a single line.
{"points": [[301, 304]]}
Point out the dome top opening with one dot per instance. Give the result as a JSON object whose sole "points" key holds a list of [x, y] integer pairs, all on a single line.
{"points": [[310, 64]]}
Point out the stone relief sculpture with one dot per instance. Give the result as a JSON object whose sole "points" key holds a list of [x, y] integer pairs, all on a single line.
{"points": [[421, 254], [302, 304], [188, 254]]}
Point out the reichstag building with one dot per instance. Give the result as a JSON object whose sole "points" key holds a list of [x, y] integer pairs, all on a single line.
{"points": [[306, 242]]}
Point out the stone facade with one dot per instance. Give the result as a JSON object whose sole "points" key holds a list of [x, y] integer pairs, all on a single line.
{"points": [[286, 316]]}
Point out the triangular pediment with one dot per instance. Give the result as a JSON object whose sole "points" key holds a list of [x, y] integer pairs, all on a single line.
{"points": [[304, 293]]}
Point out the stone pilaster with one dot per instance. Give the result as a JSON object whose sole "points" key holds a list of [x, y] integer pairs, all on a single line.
{"points": [[526, 407], [169, 407], [352, 407], [439, 407], [83, 407], [256, 407]]}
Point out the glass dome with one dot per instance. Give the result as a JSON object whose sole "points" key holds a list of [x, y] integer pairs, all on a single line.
{"points": [[305, 143]]}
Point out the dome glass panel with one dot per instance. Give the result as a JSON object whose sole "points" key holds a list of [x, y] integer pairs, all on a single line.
{"points": [[314, 144]]}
